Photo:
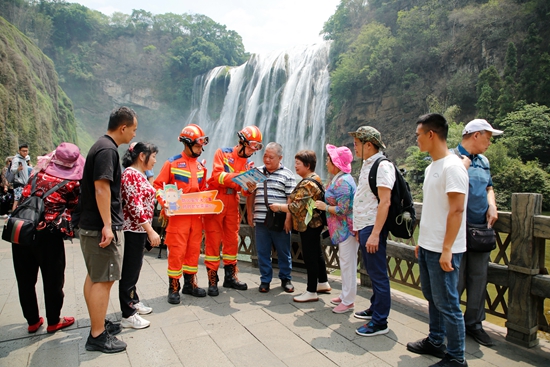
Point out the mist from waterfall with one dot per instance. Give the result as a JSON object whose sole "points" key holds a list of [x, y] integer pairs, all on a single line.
{"points": [[284, 93]]}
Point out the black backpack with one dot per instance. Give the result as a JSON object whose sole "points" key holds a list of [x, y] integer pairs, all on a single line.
{"points": [[322, 213], [401, 214], [20, 228]]}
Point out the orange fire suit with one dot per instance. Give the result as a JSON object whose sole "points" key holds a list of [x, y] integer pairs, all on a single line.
{"points": [[224, 227], [184, 232]]}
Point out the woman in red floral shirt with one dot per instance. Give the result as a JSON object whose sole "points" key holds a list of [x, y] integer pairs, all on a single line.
{"points": [[138, 197], [48, 251]]}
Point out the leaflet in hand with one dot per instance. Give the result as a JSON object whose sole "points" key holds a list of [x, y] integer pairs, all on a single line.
{"points": [[254, 175]]}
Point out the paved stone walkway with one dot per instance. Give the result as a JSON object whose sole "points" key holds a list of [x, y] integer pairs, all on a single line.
{"points": [[237, 328]]}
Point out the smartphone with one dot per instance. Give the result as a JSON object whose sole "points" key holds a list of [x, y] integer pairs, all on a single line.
{"points": [[148, 246]]}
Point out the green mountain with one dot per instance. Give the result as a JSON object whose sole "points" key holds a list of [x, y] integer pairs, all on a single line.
{"points": [[33, 108]]}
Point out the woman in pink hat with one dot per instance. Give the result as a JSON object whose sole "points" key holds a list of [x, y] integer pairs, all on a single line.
{"points": [[62, 167], [339, 207]]}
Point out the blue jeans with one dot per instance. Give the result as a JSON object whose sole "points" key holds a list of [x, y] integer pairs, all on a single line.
{"points": [[281, 240], [375, 264], [440, 289]]}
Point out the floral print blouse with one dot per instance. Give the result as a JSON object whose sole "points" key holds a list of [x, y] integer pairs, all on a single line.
{"points": [[138, 197], [339, 194], [298, 206]]}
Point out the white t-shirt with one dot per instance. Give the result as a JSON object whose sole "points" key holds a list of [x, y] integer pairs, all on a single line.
{"points": [[442, 177], [365, 204]]}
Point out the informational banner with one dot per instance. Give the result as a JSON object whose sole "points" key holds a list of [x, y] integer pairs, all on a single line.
{"points": [[203, 202]]}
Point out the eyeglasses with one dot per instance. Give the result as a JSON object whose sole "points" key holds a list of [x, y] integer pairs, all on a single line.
{"points": [[256, 145], [203, 140]]}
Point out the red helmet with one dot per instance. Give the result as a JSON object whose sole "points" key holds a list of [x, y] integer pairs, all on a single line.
{"points": [[251, 136], [193, 134]]}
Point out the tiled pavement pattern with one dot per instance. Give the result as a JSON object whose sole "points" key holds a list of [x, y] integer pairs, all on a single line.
{"points": [[237, 328]]}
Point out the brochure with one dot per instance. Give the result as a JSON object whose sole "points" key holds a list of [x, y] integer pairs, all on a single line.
{"points": [[253, 175]]}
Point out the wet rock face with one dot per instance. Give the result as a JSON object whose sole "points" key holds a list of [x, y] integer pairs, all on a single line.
{"points": [[35, 110]]}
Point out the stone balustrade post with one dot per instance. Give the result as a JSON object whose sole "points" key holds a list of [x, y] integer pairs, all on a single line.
{"points": [[522, 323]]}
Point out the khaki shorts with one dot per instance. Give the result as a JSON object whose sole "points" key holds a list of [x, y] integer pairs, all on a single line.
{"points": [[103, 264]]}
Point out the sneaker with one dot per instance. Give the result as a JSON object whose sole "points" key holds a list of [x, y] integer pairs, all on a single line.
{"points": [[34, 328], [336, 301], [342, 308], [65, 322], [105, 343], [364, 315], [371, 329], [480, 336], [425, 346], [307, 297], [449, 361], [135, 321], [287, 285], [323, 288], [264, 287], [112, 328], [142, 309]]}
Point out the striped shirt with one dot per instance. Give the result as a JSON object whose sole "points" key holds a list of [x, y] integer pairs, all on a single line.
{"points": [[280, 184]]}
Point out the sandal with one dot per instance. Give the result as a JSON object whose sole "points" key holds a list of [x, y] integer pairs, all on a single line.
{"points": [[66, 321]]}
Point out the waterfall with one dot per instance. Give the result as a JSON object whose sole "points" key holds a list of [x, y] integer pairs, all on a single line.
{"points": [[284, 93]]}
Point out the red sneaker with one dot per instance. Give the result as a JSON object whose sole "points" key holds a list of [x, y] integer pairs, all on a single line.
{"points": [[66, 321], [34, 328]]}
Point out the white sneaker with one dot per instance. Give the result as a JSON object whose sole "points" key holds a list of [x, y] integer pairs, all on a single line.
{"points": [[135, 321], [323, 287], [142, 309], [307, 297]]}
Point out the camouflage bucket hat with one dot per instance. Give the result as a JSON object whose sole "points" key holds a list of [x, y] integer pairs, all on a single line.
{"points": [[368, 133]]}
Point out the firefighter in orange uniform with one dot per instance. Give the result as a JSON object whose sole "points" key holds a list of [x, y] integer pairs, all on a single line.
{"points": [[184, 232], [224, 227]]}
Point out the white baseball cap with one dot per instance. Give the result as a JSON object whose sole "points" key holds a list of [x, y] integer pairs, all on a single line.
{"points": [[480, 125]]}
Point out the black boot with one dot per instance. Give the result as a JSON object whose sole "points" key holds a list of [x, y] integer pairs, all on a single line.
{"points": [[173, 291], [213, 282], [231, 280], [190, 286]]}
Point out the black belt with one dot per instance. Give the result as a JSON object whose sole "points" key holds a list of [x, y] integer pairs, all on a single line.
{"points": [[116, 228]]}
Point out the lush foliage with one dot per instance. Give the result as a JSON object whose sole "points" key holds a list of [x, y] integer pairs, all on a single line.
{"points": [[465, 59], [33, 108], [140, 59]]}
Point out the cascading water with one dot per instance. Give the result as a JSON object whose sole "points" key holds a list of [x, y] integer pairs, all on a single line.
{"points": [[284, 93]]}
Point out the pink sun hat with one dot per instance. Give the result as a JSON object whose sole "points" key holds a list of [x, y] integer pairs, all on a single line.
{"points": [[66, 162], [341, 157]]}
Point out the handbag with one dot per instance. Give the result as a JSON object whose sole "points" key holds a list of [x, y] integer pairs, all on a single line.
{"points": [[479, 238], [273, 221]]}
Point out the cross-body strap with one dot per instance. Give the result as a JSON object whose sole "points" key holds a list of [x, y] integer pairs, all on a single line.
{"points": [[321, 188], [265, 194], [50, 191]]}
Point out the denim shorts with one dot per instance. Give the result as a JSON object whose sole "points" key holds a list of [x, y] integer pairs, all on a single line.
{"points": [[17, 191], [103, 264]]}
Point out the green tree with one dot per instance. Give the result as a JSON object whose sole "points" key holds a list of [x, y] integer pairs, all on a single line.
{"points": [[521, 177], [508, 93], [487, 89], [527, 133], [368, 64]]}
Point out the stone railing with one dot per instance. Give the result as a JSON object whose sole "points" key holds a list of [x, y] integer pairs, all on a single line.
{"points": [[517, 270]]}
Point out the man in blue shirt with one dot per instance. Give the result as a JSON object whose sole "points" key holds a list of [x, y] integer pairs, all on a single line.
{"points": [[481, 209]]}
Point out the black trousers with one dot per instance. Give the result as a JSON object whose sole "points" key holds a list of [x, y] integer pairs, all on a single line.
{"points": [[48, 255], [134, 246], [313, 257]]}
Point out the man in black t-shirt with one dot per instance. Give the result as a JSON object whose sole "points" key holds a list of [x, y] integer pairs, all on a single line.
{"points": [[101, 236]]}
